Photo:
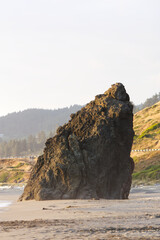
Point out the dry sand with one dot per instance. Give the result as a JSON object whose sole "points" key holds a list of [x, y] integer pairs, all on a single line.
{"points": [[136, 218]]}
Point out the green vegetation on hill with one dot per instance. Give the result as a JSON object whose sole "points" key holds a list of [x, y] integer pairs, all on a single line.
{"points": [[149, 130], [15, 171], [147, 136], [150, 174]]}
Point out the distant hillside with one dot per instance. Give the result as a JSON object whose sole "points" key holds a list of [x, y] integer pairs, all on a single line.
{"points": [[148, 103], [147, 136], [147, 127], [19, 125], [32, 121]]}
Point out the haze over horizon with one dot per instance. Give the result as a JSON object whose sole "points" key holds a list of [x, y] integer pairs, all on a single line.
{"points": [[57, 53]]}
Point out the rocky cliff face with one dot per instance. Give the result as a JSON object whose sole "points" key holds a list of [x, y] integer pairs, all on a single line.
{"points": [[90, 155]]}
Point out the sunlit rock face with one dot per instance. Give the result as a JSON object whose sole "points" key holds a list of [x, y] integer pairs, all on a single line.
{"points": [[89, 157]]}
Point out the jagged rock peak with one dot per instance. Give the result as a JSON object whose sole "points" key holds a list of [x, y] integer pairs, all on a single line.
{"points": [[89, 157], [118, 92]]}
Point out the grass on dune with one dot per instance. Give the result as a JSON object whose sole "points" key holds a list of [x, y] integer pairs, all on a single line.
{"points": [[149, 174]]}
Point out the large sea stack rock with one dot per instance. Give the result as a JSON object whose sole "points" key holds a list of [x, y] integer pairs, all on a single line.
{"points": [[90, 155]]}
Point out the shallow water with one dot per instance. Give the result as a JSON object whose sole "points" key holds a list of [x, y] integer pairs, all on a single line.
{"points": [[4, 203], [17, 190], [7, 187], [146, 189], [5, 191]]}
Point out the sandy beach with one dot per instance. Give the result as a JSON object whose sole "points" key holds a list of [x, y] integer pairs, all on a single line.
{"points": [[135, 218]]}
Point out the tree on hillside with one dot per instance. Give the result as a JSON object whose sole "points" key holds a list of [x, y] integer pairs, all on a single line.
{"points": [[20, 125], [148, 103]]}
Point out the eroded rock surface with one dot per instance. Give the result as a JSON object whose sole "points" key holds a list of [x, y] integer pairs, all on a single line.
{"points": [[90, 155]]}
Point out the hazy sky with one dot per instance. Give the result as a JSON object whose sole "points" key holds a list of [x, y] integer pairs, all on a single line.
{"points": [[56, 53]]}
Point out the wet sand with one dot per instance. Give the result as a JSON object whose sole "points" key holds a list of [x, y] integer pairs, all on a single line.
{"points": [[136, 218]]}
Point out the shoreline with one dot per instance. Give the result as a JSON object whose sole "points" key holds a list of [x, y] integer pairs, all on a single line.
{"points": [[135, 218]]}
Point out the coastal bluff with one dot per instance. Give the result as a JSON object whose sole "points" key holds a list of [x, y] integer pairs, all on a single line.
{"points": [[89, 157]]}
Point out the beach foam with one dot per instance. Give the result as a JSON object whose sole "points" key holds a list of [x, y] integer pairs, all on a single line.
{"points": [[4, 203]]}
